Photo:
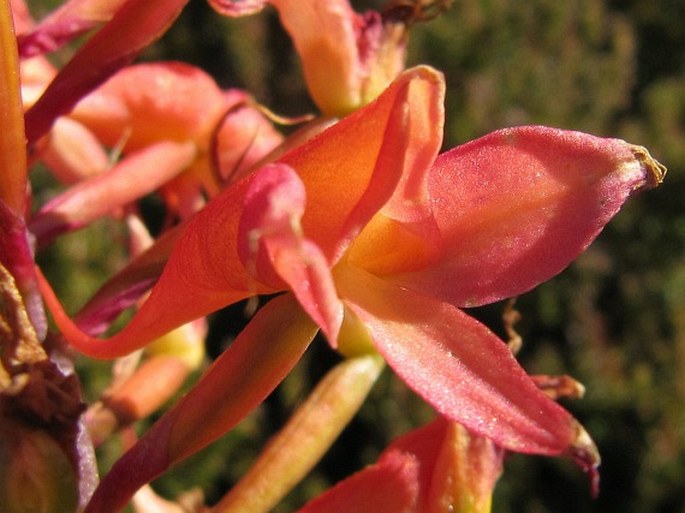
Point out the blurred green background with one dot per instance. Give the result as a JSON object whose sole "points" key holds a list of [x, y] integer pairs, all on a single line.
{"points": [[615, 320]]}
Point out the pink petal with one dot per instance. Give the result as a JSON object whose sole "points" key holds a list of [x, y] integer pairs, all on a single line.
{"points": [[23, 21], [389, 486], [65, 23], [461, 368], [135, 176], [273, 246], [514, 208], [243, 140], [134, 26], [238, 381]]}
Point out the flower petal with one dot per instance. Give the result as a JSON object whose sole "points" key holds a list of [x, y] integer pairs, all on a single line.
{"points": [[352, 169], [404, 234], [324, 34], [65, 23], [239, 380], [72, 152], [515, 207], [461, 368], [145, 103], [458, 469], [203, 274], [243, 140], [389, 486], [237, 7], [273, 208], [135, 176], [134, 26]]}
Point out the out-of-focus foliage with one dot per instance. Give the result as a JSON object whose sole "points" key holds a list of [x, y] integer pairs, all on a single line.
{"points": [[615, 320]]}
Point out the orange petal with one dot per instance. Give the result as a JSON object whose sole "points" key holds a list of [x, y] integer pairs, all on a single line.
{"points": [[134, 26], [389, 486], [145, 103], [135, 176], [405, 234], [72, 153], [458, 469], [352, 169], [324, 34], [203, 274]]}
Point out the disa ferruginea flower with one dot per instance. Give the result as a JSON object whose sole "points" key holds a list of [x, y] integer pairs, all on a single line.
{"points": [[377, 240]]}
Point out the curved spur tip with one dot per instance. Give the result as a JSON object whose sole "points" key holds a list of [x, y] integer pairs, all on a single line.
{"points": [[655, 171], [584, 452]]}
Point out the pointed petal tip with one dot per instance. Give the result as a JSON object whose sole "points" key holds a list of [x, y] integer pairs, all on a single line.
{"points": [[427, 73], [585, 453]]}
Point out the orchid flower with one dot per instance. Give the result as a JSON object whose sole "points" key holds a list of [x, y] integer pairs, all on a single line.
{"points": [[348, 58], [178, 132], [378, 242], [437, 468], [172, 101]]}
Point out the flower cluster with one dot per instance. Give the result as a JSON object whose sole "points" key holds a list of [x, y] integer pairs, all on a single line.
{"points": [[356, 225]]}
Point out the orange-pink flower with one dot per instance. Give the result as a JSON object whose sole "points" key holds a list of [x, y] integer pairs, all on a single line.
{"points": [[380, 241], [347, 58], [439, 467], [178, 132]]}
